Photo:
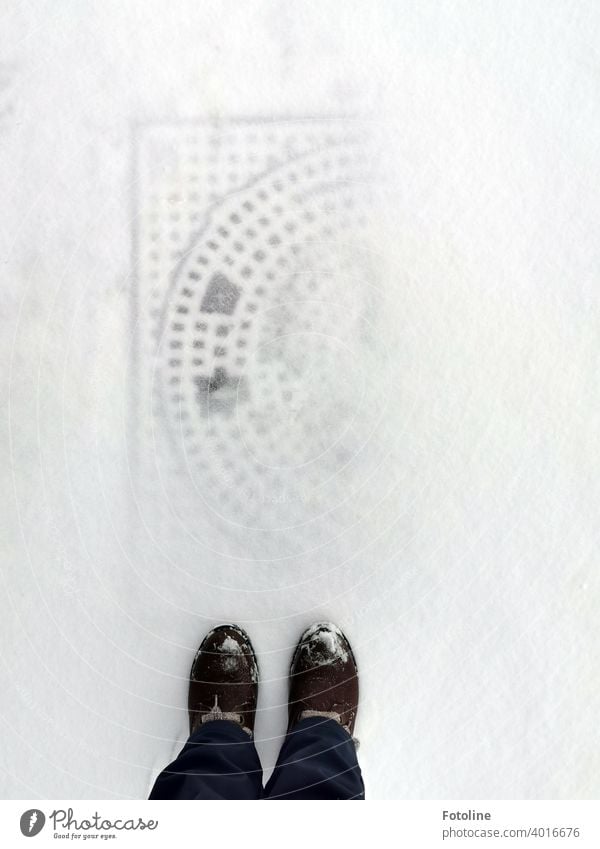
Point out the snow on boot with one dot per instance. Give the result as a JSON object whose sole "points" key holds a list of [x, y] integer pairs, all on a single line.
{"points": [[324, 677], [224, 679]]}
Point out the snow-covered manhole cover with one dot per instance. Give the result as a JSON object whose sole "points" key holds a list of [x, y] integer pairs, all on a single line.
{"points": [[260, 298]]}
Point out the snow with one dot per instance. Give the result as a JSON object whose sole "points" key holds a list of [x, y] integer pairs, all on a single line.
{"points": [[233, 649], [324, 642], [431, 481], [231, 646]]}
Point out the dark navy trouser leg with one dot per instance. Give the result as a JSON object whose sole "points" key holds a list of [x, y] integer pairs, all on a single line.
{"points": [[219, 761], [317, 761]]}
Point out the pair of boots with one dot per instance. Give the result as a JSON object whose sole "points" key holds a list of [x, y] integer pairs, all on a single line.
{"points": [[323, 678], [318, 756]]}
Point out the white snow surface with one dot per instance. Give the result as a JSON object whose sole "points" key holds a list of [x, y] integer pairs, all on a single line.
{"points": [[456, 543]]}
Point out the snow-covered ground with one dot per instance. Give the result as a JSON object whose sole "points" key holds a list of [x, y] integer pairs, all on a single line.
{"points": [[431, 480]]}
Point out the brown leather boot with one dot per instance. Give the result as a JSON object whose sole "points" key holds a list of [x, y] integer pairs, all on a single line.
{"points": [[224, 679], [324, 677]]}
